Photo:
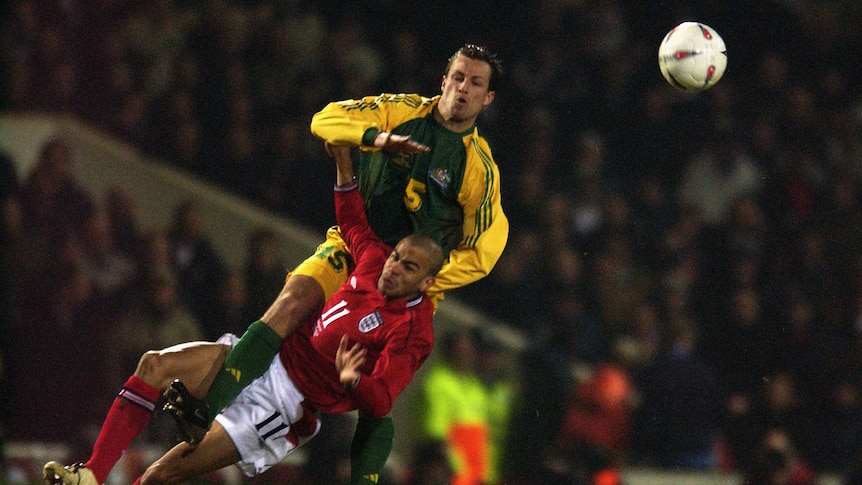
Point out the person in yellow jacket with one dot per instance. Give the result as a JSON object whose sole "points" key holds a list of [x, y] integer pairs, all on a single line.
{"points": [[462, 411]]}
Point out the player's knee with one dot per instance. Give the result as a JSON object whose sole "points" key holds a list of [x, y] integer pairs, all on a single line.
{"points": [[153, 369]]}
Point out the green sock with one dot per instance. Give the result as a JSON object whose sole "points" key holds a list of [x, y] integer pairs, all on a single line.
{"points": [[370, 448], [249, 358]]}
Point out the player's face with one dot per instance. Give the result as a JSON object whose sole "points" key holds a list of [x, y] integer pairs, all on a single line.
{"points": [[405, 273], [465, 91]]}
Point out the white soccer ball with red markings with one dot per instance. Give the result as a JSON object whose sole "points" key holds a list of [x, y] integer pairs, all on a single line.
{"points": [[692, 56]]}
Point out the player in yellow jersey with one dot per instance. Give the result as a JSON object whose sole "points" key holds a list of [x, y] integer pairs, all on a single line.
{"points": [[423, 167]]}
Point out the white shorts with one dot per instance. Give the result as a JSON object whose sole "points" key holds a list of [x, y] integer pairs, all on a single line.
{"points": [[267, 421]]}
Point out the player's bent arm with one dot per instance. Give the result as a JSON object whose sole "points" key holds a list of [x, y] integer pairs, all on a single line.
{"points": [[357, 122], [375, 394], [485, 229]]}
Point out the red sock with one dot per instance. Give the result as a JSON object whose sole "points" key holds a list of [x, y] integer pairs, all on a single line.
{"points": [[127, 418]]}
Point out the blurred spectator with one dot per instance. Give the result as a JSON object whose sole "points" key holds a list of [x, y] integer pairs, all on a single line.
{"points": [[652, 216], [430, 465], [778, 405], [154, 256], [595, 430], [574, 333], [454, 409], [637, 345], [241, 162], [813, 269], [620, 283], [678, 421], [58, 346], [9, 184], [747, 349], [122, 213], [497, 374], [199, 268], [53, 201], [777, 462], [285, 184], [507, 289], [11, 276], [229, 311], [836, 436], [111, 270], [536, 419], [156, 320], [265, 271], [717, 175], [746, 232], [11, 241], [808, 347], [357, 65]]}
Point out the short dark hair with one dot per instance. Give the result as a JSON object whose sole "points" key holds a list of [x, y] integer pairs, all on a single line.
{"points": [[436, 255], [480, 53]]}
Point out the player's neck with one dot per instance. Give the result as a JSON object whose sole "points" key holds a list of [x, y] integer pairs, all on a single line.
{"points": [[457, 126]]}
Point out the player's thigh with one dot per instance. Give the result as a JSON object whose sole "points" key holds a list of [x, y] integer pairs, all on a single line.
{"points": [[309, 285], [194, 363], [182, 463]]}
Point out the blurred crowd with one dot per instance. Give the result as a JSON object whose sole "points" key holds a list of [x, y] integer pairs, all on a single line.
{"points": [[687, 268]]}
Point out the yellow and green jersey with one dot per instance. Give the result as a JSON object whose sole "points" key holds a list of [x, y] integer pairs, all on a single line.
{"points": [[451, 193]]}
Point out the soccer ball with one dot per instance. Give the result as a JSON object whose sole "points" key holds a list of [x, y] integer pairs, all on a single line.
{"points": [[692, 56]]}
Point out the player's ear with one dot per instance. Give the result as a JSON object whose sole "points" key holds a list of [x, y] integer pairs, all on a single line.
{"points": [[426, 283], [489, 98]]}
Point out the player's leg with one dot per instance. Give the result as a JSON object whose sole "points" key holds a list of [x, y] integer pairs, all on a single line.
{"points": [[195, 363], [300, 298], [183, 462], [370, 448], [267, 422], [304, 293]]}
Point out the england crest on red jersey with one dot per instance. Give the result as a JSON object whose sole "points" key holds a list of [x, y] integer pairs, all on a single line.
{"points": [[370, 322]]}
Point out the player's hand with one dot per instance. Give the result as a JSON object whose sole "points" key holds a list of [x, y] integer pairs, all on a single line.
{"points": [[399, 143], [348, 360]]}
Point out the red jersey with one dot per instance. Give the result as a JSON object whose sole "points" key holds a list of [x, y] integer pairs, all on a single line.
{"points": [[397, 334]]}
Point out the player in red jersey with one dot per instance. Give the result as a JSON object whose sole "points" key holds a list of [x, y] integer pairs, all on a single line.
{"points": [[364, 348]]}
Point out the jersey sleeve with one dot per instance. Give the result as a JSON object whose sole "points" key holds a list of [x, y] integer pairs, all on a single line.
{"points": [[397, 363], [356, 121], [351, 217], [485, 229]]}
